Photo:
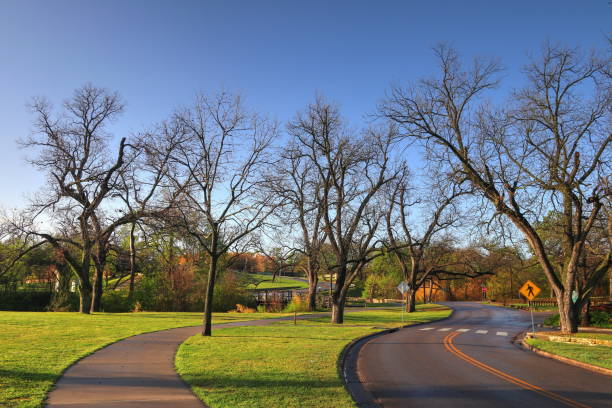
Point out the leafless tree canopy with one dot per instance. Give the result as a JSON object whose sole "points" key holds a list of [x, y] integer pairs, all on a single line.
{"points": [[218, 172], [547, 150]]}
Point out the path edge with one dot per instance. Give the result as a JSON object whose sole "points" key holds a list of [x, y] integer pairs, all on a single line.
{"points": [[566, 360], [347, 364], [61, 374]]}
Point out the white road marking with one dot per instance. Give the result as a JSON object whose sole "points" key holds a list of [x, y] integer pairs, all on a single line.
{"points": [[502, 333], [482, 331], [463, 330], [427, 328], [445, 329]]}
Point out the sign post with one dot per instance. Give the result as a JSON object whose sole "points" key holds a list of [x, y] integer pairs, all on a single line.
{"points": [[530, 291]]}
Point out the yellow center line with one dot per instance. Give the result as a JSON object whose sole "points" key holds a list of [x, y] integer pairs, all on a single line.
{"points": [[448, 344]]}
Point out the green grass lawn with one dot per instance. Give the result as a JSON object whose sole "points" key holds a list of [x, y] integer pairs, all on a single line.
{"points": [[37, 347], [281, 365], [596, 355], [279, 282]]}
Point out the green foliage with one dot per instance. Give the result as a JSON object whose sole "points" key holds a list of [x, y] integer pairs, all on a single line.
{"points": [[297, 304], [380, 286], [552, 320], [24, 300], [229, 291], [600, 318], [117, 301]]}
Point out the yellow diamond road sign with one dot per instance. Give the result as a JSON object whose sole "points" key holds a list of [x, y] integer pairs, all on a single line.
{"points": [[529, 290]]}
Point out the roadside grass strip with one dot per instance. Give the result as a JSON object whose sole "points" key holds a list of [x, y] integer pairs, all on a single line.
{"points": [[38, 346], [597, 355], [450, 346], [281, 365]]}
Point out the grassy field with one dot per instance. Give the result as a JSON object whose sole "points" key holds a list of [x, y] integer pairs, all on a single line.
{"points": [[279, 282], [596, 355], [37, 347], [281, 365]]}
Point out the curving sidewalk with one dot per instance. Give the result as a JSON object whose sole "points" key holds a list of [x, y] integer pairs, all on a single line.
{"points": [[134, 372]]}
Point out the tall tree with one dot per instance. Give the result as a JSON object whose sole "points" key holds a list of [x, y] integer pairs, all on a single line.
{"points": [[352, 169], [295, 180], [72, 150], [218, 171], [416, 250], [548, 150]]}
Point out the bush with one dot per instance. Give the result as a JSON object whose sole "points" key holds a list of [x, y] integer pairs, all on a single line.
{"points": [[297, 304], [64, 302], [380, 286], [229, 291], [552, 320], [600, 318], [25, 300], [116, 301]]}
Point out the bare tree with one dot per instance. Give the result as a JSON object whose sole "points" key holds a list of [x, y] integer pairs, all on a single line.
{"points": [[218, 171], [352, 170], [72, 149], [137, 196], [416, 250], [296, 182], [548, 151]]}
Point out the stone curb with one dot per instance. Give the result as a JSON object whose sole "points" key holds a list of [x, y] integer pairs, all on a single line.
{"points": [[347, 364], [561, 338], [566, 360]]}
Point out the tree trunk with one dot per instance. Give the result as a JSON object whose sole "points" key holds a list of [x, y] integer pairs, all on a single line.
{"points": [[132, 261], [98, 286], [339, 301], [209, 296], [585, 319], [312, 291], [85, 287], [568, 313], [85, 291], [313, 281], [411, 301], [337, 311]]}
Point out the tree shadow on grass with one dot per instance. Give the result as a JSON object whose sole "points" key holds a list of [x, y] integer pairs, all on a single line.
{"points": [[283, 380], [286, 337], [27, 375]]}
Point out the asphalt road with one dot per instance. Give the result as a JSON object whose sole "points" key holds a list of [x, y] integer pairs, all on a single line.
{"points": [[469, 360]]}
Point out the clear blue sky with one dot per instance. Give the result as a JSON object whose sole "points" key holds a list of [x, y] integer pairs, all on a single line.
{"points": [[158, 54]]}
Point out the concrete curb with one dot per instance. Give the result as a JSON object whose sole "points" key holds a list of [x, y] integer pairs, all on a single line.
{"points": [[347, 364], [566, 360]]}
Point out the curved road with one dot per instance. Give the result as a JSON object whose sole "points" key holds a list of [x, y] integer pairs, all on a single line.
{"points": [[469, 360]]}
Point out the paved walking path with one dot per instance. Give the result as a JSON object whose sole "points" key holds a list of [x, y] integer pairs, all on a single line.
{"points": [[134, 372]]}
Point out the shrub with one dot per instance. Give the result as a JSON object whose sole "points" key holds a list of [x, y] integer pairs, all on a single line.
{"points": [[600, 318], [297, 304], [552, 320], [229, 291], [116, 301], [64, 302], [25, 300]]}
